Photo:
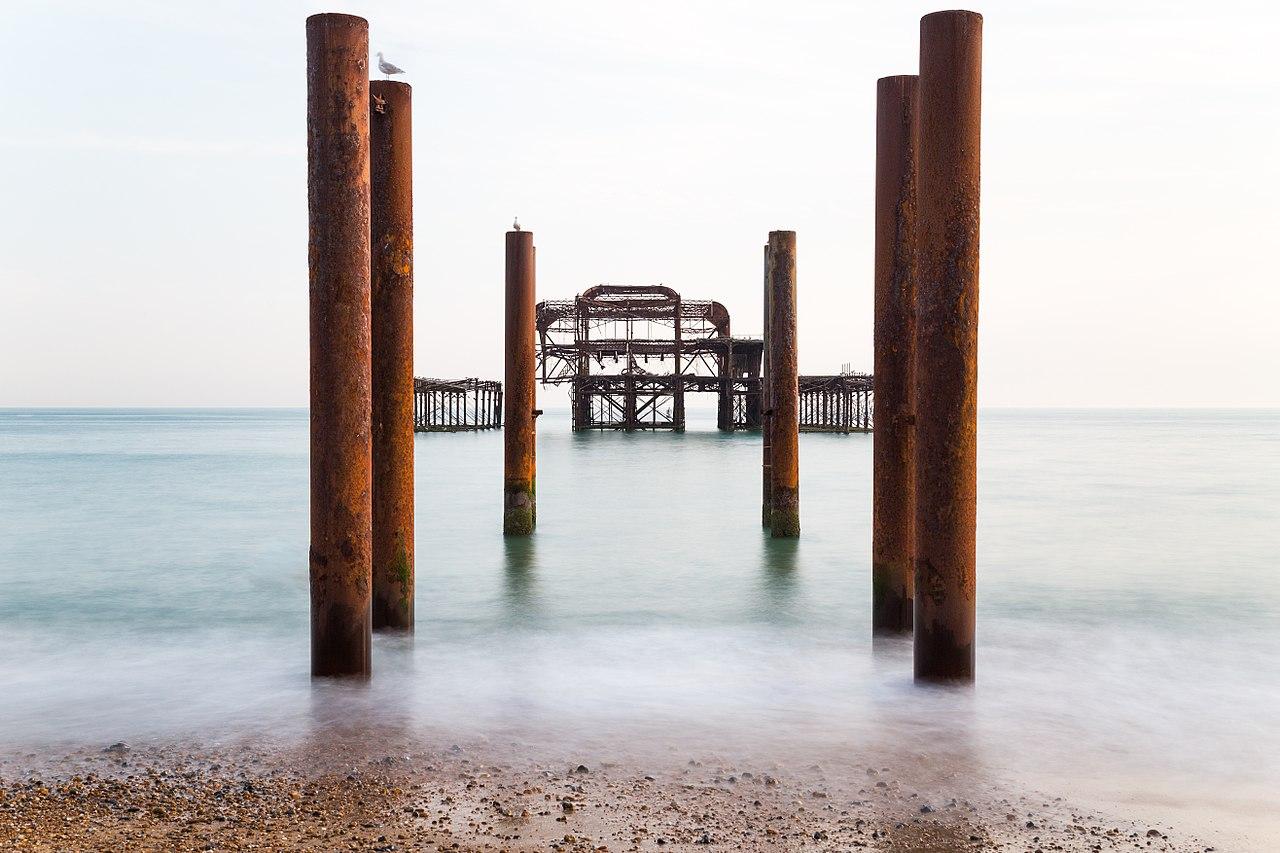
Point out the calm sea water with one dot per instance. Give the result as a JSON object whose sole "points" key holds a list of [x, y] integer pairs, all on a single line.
{"points": [[153, 586]]}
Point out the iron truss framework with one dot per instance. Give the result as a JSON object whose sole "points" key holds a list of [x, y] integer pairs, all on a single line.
{"points": [[630, 354], [456, 405], [840, 403]]}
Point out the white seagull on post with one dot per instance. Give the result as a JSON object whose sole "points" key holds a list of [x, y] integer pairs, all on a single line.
{"points": [[387, 68]]}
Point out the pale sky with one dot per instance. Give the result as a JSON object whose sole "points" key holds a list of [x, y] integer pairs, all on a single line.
{"points": [[153, 221]]}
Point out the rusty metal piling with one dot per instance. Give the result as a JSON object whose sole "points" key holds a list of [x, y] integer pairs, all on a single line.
{"points": [[338, 255], [766, 409], [784, 385], [946, 372], [391, 256], [893, 460], [519, 507]]}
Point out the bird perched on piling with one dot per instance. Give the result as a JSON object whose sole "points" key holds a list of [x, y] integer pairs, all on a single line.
{"points": [[516, 225], [387, 68]]}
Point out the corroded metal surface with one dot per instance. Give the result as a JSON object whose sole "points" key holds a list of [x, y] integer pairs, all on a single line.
{"points": [[766, 410], [784, 444], [338, 254], [893, 454], [391, 252], [519, 507], [947, 344]]}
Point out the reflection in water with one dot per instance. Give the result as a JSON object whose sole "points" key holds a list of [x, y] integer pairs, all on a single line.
{"points": [[778, 558], [519, 564]]}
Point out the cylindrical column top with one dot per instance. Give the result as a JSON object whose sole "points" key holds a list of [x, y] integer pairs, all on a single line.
{"points": [[335, 19], [958, 28], [895, 80], [951, 18], [391, 89]]}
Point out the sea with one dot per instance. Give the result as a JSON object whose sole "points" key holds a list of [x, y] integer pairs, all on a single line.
{"points": [[153, 588]]}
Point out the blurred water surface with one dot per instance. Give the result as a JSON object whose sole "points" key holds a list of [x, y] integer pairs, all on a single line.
{"points": [[153, 585]]}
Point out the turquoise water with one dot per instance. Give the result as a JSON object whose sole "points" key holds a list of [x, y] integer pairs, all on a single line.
{"points": [[153, 586]]}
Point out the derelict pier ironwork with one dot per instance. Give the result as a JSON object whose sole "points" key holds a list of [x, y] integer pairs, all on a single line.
{"points": [[456, 405], [630, 354]]}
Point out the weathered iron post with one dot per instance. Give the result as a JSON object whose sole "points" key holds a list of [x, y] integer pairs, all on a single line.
{"points": [[391, 256], [946, 372], [766, 407], [893, 459], [784, 384], [677, 391], [519, 509], [338, 255]]}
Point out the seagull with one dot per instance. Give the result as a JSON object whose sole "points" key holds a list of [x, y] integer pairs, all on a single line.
{"points": [[516, 224], [387, 68]]}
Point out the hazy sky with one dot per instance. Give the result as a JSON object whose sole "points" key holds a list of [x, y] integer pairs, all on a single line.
{"points": [[153, 220]]}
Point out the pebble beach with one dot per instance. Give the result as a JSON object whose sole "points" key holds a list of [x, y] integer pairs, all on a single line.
{"points": [[465, 798]]}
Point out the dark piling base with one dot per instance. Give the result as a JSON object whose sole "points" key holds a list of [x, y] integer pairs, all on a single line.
{"points": [[519, 510], [784, 523], [892, 605]]}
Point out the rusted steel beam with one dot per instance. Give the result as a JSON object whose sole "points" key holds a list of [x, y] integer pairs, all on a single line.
{"points": [[946, 374], [519, 509], [677, 401], [784, 377], [341, 406], [893, 450], [766, 408], [391, 256]]}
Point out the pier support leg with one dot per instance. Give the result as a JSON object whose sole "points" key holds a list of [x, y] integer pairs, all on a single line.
{"points": [[338, 252], [519, 509], [946, 370], [784, 382], [893, 459], [391, 257], [766, 408]]}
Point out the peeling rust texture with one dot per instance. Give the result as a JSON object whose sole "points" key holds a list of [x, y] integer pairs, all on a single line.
{"points": [[519, 507], [946, 372], [784, 384], [893, 460], [391, 280], [338, 255]]}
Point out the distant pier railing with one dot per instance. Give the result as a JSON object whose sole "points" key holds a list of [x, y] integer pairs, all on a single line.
{"points": [[840, 403], [456, 405]]}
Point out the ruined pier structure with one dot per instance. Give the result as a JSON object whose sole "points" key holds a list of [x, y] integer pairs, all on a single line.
{"points": [[359, 200], [456, 405], [630, 355], [926, 343]]}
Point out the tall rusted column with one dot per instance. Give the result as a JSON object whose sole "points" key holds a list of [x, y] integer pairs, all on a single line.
{"points": [[893, 459], [766, 408], [391, 252], [784, 382], [338, 251], [946, 372], [519, 509], [677, 398]]}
